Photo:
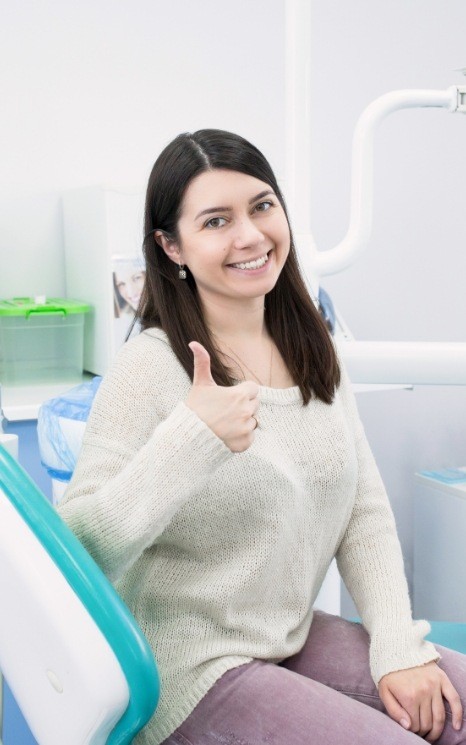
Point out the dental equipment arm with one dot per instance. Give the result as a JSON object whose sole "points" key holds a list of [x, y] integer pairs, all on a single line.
{"points": [[315, 263], [375, 362], [411, 363], [336, 259], [298, 141]]}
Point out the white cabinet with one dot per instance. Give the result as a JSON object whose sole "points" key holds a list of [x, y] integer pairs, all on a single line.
{"points": [[328, 598], [439, 578], [103, 228]]}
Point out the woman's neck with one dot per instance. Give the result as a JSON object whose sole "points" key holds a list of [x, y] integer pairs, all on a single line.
{"points": [[243, 324], [241, 336]]}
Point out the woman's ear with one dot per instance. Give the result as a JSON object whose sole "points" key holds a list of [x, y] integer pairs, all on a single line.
{"points": [[168, 245]]}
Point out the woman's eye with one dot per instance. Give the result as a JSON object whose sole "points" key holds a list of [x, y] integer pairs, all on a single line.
{"points": [[263, 206], [215, 222]]}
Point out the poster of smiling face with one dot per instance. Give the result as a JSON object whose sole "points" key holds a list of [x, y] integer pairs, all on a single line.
{"points": [[128, 277]]}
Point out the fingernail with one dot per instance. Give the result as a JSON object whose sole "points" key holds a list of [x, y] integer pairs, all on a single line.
{"points": [[457, 724], [404, 723]]}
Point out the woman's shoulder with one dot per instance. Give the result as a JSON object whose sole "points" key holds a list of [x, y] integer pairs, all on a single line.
{"points": [[144, 364], [148, 347], [156, 333], [145, 381], [146, 339]]}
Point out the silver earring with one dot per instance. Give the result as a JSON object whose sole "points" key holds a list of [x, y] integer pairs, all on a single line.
{"points": [[182, 272]]}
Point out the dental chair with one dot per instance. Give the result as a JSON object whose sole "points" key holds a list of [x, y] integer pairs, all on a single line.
{"points": [[448, 634], [73, 655]]}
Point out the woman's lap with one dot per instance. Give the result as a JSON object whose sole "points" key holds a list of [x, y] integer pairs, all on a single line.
{"points": [[322, 695]]}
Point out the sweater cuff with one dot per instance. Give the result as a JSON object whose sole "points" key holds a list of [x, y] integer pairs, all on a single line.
{"points": [[185, 424], [407, 648]]}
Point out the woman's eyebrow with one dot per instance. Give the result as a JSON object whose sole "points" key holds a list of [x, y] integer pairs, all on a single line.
{"points": [[210, 210], [213, 209], [261, 195]]}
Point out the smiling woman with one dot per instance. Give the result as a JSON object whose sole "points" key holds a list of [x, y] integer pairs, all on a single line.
{"points": [[214, 209], [224, 466], [251, 236]]}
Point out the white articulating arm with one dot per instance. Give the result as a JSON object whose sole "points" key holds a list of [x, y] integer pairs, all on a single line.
{"points": [[368, 362], [298, 127], [336, 259], [412, 363]]}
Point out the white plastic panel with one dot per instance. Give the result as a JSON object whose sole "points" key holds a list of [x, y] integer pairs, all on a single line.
{"points": [[10, 443], [439, 575], [414, 363], [60, 668]]}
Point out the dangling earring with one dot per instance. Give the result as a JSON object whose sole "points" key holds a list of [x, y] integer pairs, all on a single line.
{"points": [[182, 272]]}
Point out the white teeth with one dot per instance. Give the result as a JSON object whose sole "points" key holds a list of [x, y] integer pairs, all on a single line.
{"points": [[252, 264]]}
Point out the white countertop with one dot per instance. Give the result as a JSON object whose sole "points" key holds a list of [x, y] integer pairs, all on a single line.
{"points": [[456, 489], [22, 402]]}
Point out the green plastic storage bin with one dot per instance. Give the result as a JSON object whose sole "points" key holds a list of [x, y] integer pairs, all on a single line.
{"points": [[41, 342]]}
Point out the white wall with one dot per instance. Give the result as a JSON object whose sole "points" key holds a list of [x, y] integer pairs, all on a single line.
{"points": [[410, 285], [92, 91]]}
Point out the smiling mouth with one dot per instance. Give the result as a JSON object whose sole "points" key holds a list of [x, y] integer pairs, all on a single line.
{"points": [[256, 264]]}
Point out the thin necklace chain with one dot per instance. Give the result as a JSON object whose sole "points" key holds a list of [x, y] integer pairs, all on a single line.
{"points": [[245, 365]]}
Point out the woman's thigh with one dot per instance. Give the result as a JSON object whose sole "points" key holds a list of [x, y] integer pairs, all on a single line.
{"points": [[337, 655], [263, 703]]}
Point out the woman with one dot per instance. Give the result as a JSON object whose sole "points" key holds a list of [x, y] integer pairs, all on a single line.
{"points": [[224, 466]]}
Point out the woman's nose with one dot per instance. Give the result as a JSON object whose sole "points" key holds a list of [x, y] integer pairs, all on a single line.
{"points": [[247, 234]]}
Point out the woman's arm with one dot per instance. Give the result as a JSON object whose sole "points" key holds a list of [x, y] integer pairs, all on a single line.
{"points": [[137, 468], [411, 685], [371, 564]]}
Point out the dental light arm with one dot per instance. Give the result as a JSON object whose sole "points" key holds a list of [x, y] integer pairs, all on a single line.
{"points": [[412, 363], [357, 237], [405, 363]]}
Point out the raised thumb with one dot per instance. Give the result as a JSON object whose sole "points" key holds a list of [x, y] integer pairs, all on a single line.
{"points": [[202, 374]]}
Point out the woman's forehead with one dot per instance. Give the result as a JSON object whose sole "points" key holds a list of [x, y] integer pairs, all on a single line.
{"points": [[221, 188]]}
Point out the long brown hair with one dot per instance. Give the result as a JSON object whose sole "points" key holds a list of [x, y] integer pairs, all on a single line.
{"points": [[173, 305]]}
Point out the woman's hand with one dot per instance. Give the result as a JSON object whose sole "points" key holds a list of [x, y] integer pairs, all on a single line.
{"points": [[414, 698], [228, 411]]}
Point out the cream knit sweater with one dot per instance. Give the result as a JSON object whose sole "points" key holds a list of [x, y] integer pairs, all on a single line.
{"points": [[220, 555]]}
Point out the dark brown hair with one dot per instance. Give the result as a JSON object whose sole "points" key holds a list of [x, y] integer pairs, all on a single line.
{"points": [[173, 305]]}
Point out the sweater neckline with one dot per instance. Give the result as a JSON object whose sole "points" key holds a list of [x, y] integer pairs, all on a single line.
{"points": [[280, 396]]}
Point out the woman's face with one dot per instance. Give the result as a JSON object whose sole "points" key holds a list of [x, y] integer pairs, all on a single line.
{"points": [[129, 284], [228, 220]]}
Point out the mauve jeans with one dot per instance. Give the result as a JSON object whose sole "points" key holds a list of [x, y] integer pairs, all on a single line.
{"points": [[324, 695]]}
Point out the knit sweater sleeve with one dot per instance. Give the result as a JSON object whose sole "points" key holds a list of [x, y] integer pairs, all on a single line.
{"points": [[371, 564], [137, 467]]}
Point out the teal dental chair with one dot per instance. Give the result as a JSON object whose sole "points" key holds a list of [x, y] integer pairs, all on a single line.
{"points": [[448, 634], [75, 659]]}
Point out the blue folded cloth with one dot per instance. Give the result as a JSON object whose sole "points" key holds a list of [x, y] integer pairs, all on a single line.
{"points": [[447, 475]]}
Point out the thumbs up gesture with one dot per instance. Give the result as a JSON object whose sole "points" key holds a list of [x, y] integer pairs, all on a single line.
{"points": [[228, 411]]}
